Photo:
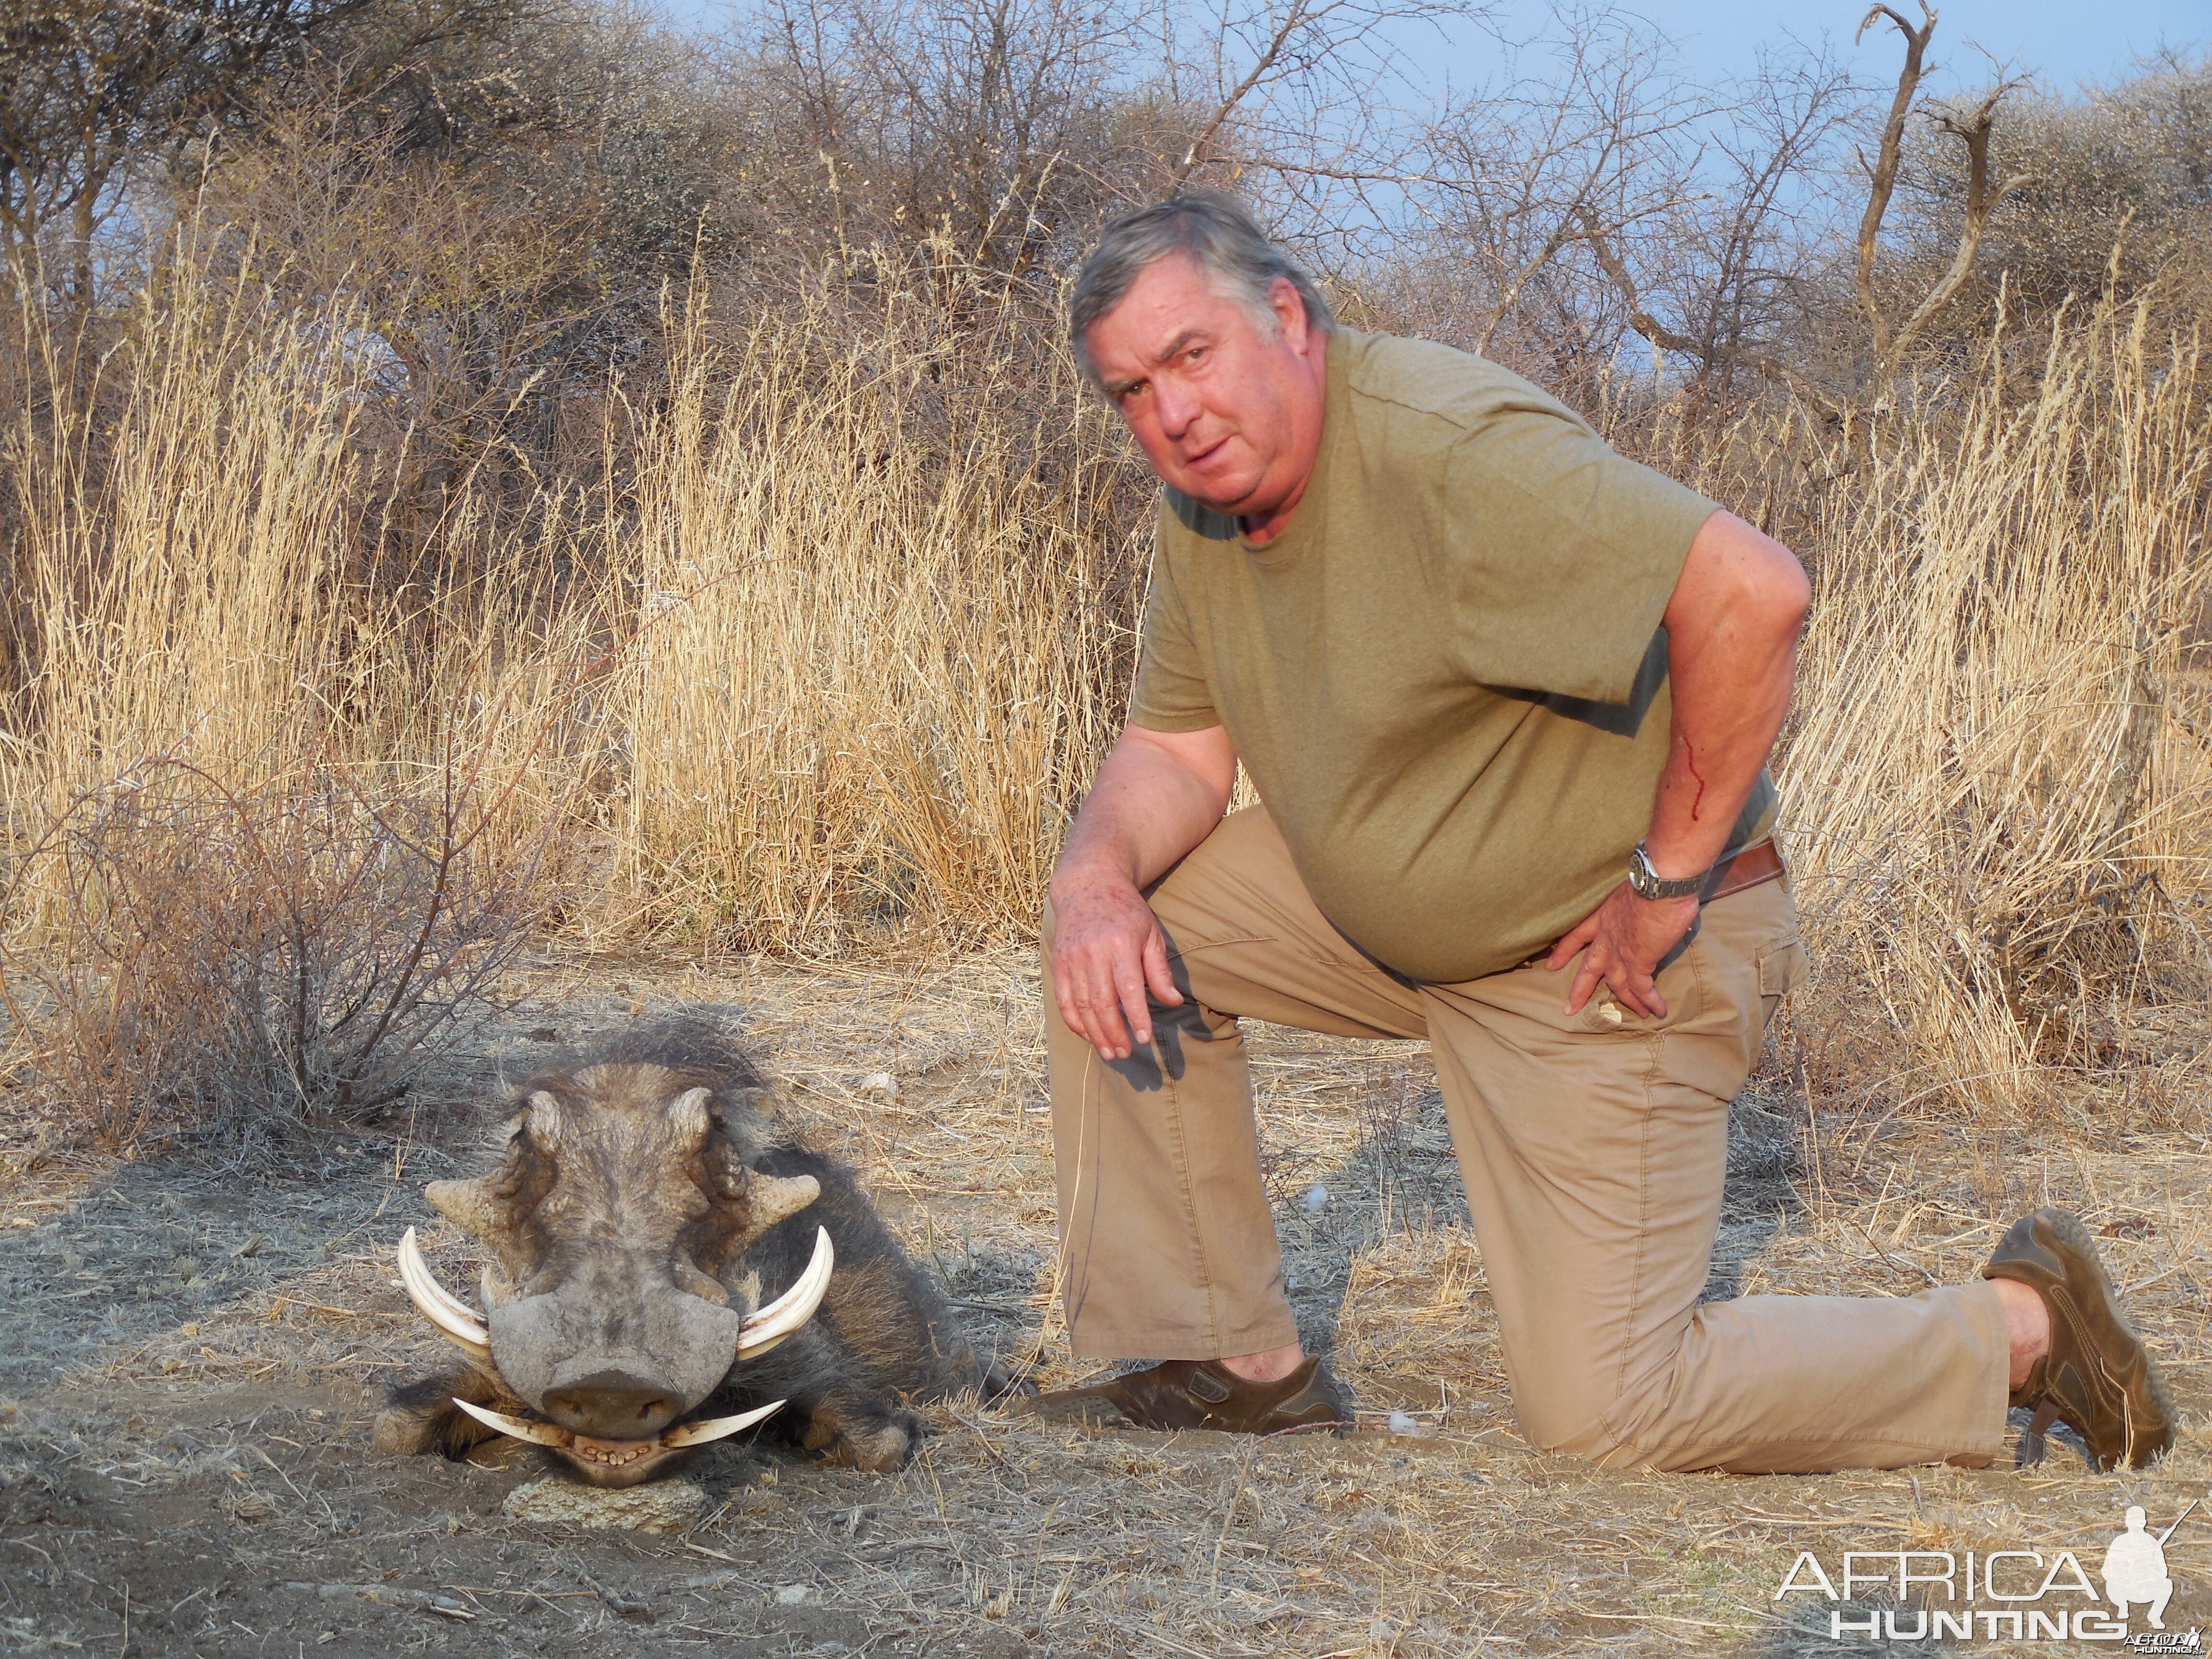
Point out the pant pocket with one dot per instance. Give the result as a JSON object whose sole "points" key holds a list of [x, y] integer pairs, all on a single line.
{"points": [[1781, 967]]}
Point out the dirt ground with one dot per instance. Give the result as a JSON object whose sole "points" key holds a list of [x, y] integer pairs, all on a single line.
{"points": [[192, 1355]]}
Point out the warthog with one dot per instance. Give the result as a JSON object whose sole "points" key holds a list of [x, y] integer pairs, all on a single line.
{"points": [[666, 1268]]}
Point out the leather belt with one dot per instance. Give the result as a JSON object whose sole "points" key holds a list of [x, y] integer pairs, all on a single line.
{"points": [[1760, 862]]}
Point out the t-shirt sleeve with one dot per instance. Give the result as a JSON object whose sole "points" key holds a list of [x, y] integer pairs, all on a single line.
{"points": [[1563, 554], [1171, 694]]}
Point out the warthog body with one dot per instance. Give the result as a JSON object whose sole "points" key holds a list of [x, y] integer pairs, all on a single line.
{"points": [[644, 1212]]}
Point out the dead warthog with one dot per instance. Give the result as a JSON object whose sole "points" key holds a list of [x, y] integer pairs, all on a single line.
{"points": [[666, 1268]]}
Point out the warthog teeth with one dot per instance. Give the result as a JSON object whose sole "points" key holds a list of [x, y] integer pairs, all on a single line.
{"points": [[715, 1428], [546, 1434], [791, 1310], [618, 1453], [456, 1320]]}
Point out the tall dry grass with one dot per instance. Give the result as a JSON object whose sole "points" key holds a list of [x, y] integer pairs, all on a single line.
{"points": [[274, 824], [1998, 792], [829, 648], [831, 652], [887, 614]]}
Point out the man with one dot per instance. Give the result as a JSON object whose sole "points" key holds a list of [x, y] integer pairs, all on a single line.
{"points": [[1507, 698]]}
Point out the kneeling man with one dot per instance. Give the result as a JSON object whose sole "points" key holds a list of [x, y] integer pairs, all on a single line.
{"points": [[1508, 699]]}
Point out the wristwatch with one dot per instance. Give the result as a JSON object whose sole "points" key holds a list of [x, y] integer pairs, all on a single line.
{"points": [[1646, 883]]}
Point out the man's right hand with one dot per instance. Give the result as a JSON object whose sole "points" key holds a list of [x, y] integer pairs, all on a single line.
{"points": [[1157, 795], [1108, 952]]}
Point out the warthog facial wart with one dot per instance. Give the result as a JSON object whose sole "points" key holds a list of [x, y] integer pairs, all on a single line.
{"points": [[645, 1196]]}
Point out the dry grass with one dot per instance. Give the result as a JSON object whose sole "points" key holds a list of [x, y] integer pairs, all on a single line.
{"points": [[833, 656], [828, 655], [816, 668], [272, 819], [887, 633], [234, 1400], [1999, 796]]}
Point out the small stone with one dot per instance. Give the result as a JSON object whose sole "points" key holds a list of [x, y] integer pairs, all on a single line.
{"points": [[656, 1506], [790, 1596]]}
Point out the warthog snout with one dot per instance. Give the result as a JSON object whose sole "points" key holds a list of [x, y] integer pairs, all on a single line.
{"points": [[614, 1361], [612, 1406]]}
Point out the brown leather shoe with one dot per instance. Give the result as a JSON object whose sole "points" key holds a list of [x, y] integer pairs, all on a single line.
{"points": [[2098, 1378], [1204, 1394]]}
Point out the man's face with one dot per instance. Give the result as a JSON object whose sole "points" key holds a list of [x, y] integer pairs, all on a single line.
{"points": [[1229, 413]]}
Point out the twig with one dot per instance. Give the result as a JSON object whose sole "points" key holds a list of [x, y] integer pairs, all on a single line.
{"points": [[387, 1595], [1894, 1261], [616, 1602], [276, 1302], [280, 1475], [885, 1551], [1228, 1519]]}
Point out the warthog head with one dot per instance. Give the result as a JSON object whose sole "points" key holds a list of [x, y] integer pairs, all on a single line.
{"points": [[615, 1224]]}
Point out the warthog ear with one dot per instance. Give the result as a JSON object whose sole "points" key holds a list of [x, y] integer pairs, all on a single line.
{"points": [[541, 1120], [687, 1117], [469, 1205], [775, 1197]]}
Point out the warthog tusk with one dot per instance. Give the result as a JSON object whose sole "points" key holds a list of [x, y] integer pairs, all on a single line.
{"points": [[546, 1434], [457, 1322], [410, 1250], [791, 1310], [715, 1428]]}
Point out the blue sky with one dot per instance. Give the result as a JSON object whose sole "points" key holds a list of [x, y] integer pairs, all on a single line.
{"points": [[2062, 43]]}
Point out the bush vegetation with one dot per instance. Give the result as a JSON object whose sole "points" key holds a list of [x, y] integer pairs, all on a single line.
{"points": [[492, 470]]}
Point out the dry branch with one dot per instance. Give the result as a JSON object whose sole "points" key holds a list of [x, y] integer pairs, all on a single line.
{"points": [[1881, 177]]}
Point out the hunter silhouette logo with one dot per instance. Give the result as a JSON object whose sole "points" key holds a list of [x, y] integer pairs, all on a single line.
{"points": [[2135, 1569], [2018, 1595]]}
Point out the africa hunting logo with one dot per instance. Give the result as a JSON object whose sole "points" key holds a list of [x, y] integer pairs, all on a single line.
{"points": [[2035, 1596]]}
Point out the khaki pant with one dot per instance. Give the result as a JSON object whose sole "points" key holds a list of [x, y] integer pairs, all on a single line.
{"points": [[1593, 1147]]}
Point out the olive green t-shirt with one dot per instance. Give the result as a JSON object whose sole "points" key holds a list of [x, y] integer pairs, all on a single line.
{"points": [[1447, 675]]}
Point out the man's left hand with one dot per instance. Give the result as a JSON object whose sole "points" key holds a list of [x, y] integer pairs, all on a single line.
{"points": [[1625, 938]]}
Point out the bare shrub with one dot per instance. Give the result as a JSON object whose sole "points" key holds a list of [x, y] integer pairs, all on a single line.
{"points": [[298, 950], [272, 827], [2118, 196]]}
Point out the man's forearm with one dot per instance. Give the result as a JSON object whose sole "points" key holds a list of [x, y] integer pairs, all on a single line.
{"points": [[1732, 644], [1147, 807], [1711, 767]]}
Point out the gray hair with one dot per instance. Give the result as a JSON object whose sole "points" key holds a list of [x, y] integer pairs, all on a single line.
{"points": [[1217, 232]]}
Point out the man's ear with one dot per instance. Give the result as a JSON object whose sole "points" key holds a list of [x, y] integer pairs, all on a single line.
{"points": [[1289, 309]]}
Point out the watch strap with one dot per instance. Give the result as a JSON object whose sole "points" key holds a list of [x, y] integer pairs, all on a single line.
{"points": [[1647, 883]]}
